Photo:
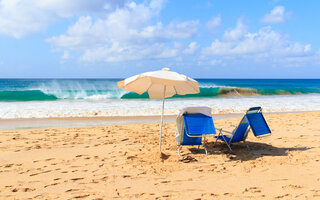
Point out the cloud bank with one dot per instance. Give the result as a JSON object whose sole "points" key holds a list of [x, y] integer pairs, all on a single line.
{"points": [[265, 45], [129, 33], [19, 18], [121, 30]]}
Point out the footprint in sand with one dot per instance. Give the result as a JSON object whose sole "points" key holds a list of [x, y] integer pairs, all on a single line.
{"points": [[94, 181], [72, 190], [81, 196], [282, 196], [23, 189], [101, 165], [292, 187], [252, 190], [53, 184], [131, 157], [279, 179], [76, 179], [40, 173], [8, 165], [165, 181]]}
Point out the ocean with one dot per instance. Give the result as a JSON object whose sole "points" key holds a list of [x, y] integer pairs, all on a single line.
{"points": [[46, 98]]}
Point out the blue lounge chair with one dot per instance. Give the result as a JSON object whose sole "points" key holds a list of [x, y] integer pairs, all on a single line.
{"points": [[196, 127], [252, 119], [257, 122]]}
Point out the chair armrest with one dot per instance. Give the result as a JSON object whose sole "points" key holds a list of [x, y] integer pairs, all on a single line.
{"points": [[220, 129], [208, 133], [196, 135], [226, 131]]}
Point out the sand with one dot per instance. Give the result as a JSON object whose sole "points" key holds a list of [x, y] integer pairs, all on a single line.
{"points": [[122, 162]]}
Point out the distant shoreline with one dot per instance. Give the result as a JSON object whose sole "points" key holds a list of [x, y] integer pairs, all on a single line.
{"points": [[72, 122]]}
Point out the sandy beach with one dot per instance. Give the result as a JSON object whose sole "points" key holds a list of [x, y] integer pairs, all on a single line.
{"points": [[122, 162], [91, 93]]}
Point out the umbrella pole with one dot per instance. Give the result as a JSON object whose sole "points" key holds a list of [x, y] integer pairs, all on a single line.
{"points": [[164, 92]]}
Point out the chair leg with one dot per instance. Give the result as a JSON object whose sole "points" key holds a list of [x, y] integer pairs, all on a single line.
{"points": [[205, 146], [220, 133], [205, 149], [229, 146], [217, 137], [226, 142], [246, 144], [179, 150]]}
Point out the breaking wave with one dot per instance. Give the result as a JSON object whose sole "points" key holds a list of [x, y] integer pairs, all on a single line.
{"points": [[99, 94]]}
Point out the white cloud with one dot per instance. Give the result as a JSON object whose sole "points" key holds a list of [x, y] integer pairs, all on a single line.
{"points": [[236, 33], [266, 44], [125, 34], [277, 15], [214, 23], [22, 17], [192, 48]]}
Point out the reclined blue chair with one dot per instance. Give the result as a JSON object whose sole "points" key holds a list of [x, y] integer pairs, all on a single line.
{"points": [[257, 122], [252, 119], [196, 127]]}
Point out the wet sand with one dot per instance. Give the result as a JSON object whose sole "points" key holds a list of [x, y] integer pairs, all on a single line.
{"points": [[122, 162], [67, 122]]}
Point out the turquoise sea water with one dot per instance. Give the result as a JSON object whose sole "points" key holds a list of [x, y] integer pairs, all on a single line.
{"points": [[73, 89], [45, 98]]}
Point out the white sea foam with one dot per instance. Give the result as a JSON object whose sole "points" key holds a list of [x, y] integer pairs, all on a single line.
{"points": [[73, 89], [138, 107]]}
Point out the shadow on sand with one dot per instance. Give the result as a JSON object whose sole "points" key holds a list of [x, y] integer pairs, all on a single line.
{"points": [[241, 152]]}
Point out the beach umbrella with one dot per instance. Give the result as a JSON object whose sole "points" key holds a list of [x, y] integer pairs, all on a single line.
{"points": [[160, 85]]}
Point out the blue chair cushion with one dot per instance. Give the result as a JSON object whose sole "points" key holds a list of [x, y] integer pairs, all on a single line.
{"points": [[258, 124], [196, 125], [239, 135], [191, 140]]}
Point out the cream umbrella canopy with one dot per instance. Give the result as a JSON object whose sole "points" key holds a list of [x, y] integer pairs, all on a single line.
{"points": [[160, 85]]}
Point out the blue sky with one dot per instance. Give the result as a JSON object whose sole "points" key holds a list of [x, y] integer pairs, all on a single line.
{"points": [[120, 38]]}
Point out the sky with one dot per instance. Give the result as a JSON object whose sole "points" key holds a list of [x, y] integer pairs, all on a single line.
{"points": [[121, 38]]}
